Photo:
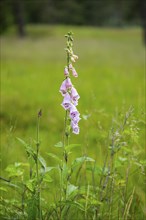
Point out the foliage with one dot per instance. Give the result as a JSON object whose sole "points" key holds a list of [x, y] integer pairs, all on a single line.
{"points": [[87, 190]]}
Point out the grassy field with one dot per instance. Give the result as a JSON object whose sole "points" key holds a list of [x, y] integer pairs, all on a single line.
{"points": [[111, 79]]}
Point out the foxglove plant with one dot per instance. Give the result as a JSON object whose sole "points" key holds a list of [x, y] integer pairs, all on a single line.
{"points": [[68, 91]]}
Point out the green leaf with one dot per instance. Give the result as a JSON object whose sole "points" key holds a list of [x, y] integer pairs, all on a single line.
{"points": [[95, 202], [48, 178], [14, 170], [70, 189], [59, 144], [30, 185], [71, 146], [29, 150], [54, 156], [81, 160], [42, 161], [48, 169], [22, 142]]}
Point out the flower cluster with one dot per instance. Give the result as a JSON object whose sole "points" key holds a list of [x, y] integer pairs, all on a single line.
{"points": [[70, 100], [69, 93]]}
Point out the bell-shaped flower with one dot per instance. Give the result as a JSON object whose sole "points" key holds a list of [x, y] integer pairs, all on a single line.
{"points": [[73, 112], [66, 84], [76, 119], [74, 73], [66, 104], [66, 72], [63, 89], [75, 128], [74, 94]]}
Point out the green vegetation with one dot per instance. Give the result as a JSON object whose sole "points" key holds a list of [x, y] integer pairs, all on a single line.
{"points": [[111, 80]]}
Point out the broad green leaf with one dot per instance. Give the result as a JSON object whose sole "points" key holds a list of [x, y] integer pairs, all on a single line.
{"points": [[70, 189], [30, 185]]}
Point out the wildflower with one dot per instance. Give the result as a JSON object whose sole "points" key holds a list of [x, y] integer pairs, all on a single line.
{"points": [[76, 119], [74, 73], [73, 112], [66, 72], [70, 94], [63, 89], [66, 84], [74, 94], [66, 101], [75, 128]]}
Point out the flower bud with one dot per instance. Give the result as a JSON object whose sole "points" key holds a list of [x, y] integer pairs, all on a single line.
{"points": [[66, 73]]}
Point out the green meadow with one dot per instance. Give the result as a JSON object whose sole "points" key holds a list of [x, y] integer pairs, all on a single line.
{"points": [[111, 80]]}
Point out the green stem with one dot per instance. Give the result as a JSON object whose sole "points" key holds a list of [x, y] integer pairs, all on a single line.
{"points": [[37, 168], [37, 149]]}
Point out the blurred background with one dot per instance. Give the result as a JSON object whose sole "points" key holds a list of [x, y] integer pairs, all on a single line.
{"points": [[109, 37], [101, 13]]}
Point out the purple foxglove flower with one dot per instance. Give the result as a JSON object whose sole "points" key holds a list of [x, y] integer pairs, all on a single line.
{"points": [[66, 104], [73, 112], [75, 102], [74, 73], [65, 86], [63, 89], [66, 73], [76, 119], [74, 94], [68, 83], [75, 128]]}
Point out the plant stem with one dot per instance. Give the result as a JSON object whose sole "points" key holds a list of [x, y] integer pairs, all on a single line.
{"points": [[65, 136], [37, 165], [37, 149]]}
